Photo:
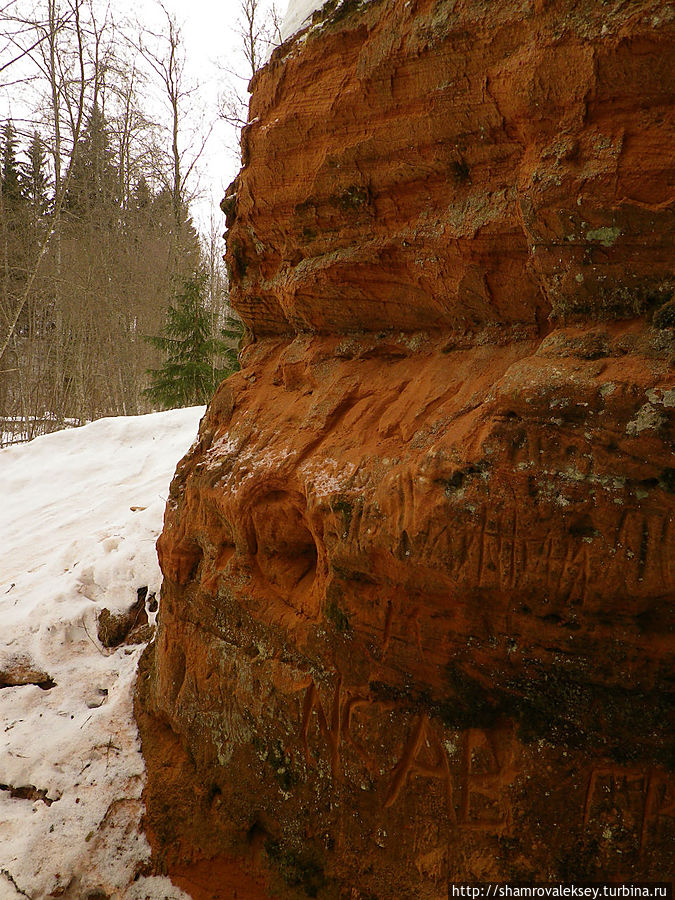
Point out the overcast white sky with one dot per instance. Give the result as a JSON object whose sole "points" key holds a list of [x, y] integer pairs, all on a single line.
{"points": [[209, 30]]}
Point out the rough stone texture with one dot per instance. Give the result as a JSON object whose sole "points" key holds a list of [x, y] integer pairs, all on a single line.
{"points": [[426, 165], [19, 669], [128, 627], [419, 566]]}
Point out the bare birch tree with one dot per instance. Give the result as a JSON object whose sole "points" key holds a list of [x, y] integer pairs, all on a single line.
{"points": [[91, 266], [258, 28], [165, 54], [75, 103]]}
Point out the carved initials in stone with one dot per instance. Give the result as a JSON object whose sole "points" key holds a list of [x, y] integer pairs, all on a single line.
{"points": [[424, 756], [657, 789], [484, 772], [411, 622], [489, 785], [330, 732], [339, 727]]}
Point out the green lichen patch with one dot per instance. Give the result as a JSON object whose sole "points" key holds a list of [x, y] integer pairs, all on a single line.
{"points": [[646, 418], [456, 482], [606, 235], [273, 755], [609, 302], [554, 704]]}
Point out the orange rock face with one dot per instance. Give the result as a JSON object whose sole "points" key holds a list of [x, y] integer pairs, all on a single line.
{"points": [[416, 623], [443, 165]]}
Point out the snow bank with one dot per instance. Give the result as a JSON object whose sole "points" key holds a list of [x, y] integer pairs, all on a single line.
{"points": [[297, 14], [80, 513]]}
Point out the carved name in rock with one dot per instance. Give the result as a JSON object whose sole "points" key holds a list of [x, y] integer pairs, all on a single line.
{"points": [[655, 787], [419, 564], [516, 613]]}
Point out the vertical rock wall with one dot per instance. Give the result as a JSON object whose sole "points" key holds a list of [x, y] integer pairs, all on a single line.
{"points": [[419, 566]]}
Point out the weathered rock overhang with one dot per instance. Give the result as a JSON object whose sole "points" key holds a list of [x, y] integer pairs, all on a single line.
{"points": [[419, 165], [419, 566]]}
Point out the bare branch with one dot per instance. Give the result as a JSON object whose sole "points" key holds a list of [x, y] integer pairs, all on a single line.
{"points": [[24, 52], [61, 188]]}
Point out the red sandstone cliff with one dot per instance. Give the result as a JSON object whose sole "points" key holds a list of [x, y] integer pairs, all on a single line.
{"points": [[419, 566]]}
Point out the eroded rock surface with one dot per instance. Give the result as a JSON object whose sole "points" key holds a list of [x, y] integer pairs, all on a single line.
{"points": [[420, 563], [423, 165]]}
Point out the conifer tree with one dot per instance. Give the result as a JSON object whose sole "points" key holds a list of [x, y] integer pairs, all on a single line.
{"points": [[87, 263], [142, 194], [34, 179], [196, 360], [92, 192], [13, 242], [11, 187]]}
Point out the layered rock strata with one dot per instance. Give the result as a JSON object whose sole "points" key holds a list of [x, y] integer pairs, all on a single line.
{"points": [[445, 165], [419, 565]]}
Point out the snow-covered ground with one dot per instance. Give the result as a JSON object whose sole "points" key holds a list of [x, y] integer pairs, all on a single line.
{"points": [[80, 511]]}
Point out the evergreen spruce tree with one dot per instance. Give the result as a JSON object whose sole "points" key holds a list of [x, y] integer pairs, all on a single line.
{"points": [[11, 187], [93, 189], [34, 179], [142, 197], [15, 250], [191, 372]]}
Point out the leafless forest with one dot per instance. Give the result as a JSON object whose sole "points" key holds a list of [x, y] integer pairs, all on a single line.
{"points": [[96, 236]]}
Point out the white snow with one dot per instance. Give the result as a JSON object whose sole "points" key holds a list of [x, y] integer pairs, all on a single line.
{"points": [[297, 15], [80, 511]]}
